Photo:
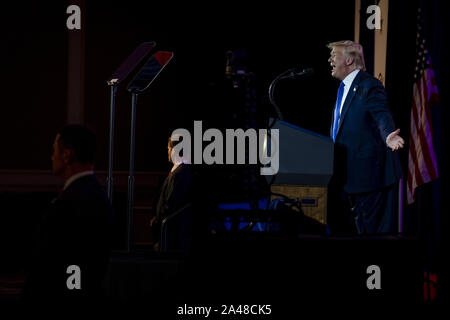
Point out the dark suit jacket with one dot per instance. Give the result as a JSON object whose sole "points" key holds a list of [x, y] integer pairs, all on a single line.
{"points": [[74, 231], [175, 193], [363, 161]]}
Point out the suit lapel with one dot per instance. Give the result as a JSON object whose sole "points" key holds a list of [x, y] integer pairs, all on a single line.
{"points": [[348, 100]]}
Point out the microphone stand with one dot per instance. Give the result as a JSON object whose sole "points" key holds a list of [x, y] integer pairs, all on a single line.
{"points": [[289, 74], [271, 91]]}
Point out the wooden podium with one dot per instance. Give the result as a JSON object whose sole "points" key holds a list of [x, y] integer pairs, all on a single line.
{"points": [[305, 168], [312, 198]]}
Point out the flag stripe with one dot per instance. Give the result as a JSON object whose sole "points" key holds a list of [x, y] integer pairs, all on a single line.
{"points": [[421, 160], [415, 148], [419, 143], [426, 165], [422, 166], [413, 169], [427, 127]]}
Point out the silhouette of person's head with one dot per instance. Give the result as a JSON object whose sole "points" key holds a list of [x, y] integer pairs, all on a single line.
{"points": [[73, 151]]}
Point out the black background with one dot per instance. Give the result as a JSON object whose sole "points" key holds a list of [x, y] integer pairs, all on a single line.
{"points": [[275, 38]]}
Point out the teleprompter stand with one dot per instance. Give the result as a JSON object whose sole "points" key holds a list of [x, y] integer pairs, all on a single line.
{"points": [[139, 84], [119, 75]]}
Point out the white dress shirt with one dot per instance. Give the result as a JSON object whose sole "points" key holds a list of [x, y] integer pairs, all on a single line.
{"points": [[77, 176], [348, 80], [176, 164]]}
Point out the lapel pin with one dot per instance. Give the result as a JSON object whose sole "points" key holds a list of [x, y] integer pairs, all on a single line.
{"points": [[354, 89]]}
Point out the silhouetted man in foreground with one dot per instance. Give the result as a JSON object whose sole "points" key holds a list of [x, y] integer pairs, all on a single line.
{"points": [[73, 243]]}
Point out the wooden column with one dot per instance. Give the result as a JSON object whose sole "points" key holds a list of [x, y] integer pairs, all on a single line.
{"points": [[379, 67], [357, 19], [76, 67]]}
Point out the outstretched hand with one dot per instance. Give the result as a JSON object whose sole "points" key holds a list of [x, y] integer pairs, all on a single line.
{"points": [[394, 141]]}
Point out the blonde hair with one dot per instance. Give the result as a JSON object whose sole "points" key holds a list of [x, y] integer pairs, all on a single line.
{"points": [[351, 49]]}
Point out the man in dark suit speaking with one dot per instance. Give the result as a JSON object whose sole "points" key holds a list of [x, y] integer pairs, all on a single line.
{"points": [[366, 140], [73, 242]]}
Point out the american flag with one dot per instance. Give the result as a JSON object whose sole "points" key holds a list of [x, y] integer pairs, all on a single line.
{"points": [[422, 164]]}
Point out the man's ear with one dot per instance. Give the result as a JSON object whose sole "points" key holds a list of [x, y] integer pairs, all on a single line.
{"points": [[349, 60], [68, 156]]}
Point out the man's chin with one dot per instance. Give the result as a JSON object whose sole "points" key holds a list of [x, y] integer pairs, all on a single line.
{"points": [[335, 75]]}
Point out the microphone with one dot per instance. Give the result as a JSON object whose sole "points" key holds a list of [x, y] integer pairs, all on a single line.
{"points": [[293, 73], [296, 73]]}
